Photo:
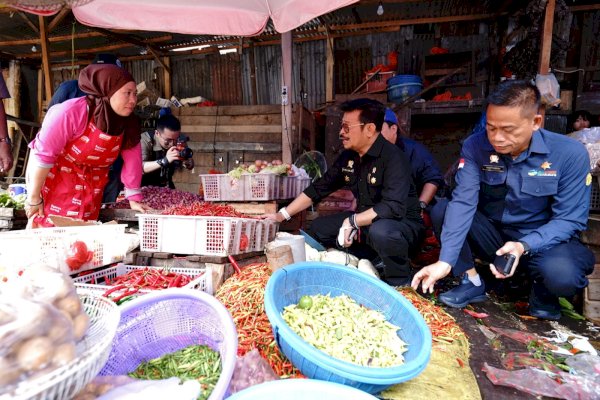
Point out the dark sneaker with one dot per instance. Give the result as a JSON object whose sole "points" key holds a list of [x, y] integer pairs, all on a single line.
{"points": [[539, 309], [464, 294], [399, 282]]}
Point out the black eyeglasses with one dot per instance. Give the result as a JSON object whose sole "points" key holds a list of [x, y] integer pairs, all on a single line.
{"points": [[167, 141]]}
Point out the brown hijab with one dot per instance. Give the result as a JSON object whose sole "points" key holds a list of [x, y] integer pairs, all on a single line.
{"points": [[100, 82]]}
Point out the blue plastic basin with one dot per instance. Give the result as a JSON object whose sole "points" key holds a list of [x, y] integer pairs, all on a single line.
{"points": [[288, 284]]}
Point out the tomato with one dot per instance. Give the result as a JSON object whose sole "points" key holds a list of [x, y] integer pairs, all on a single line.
{"points": [[305, 302], [243, 242], [77, 255]]}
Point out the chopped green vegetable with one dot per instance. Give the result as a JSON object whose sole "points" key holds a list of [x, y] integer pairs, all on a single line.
{"points": [[198, 362], [346, 330]]}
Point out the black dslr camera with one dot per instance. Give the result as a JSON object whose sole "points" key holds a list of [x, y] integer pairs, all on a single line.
{"points": [[185, 152]]}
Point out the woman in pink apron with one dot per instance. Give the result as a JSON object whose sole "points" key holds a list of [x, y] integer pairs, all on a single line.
{"points": [[78, 141]]}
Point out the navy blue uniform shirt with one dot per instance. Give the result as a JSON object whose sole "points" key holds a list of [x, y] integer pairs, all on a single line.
{"points": [[543, 194], [422, 164], [65, 91], [380, 179]]}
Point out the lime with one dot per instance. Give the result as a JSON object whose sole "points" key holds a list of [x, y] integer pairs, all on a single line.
{"points": [[305, 302]]}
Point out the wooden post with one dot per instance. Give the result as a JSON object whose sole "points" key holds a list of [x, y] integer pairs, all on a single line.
{"points": [[45, 58], [40, 95], [546, 44], [253, 97], [13, 107], [330, 63], [167, 77], [286, 110]]}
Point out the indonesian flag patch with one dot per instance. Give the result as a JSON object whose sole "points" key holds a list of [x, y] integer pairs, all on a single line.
{"points": [[461, 163]]}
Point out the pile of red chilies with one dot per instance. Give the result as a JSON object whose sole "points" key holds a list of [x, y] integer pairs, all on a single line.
{"points": [[204, 209], [147, 279], [243, 294]]}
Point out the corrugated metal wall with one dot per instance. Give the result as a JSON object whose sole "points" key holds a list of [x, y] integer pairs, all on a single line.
{"points": [[191, 77]]}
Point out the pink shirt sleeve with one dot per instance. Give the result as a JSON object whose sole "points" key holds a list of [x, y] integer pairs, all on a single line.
{"points": [[63, 123], [131, 174]]}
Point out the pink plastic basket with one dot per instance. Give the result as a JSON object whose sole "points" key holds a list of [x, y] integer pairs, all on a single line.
{"points": [[261, 187]]}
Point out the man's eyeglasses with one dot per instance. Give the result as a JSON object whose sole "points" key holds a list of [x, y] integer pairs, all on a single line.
{"points": [[166, 140], [346, 128]]}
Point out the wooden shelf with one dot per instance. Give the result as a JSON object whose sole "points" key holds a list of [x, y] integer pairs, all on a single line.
{"points": [[447, 107]]}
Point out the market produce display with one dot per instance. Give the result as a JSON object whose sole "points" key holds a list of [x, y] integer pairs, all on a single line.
{"points": [[276, 167], [444, 328], [124, 287], [243, 295], [198, 362], [204, 209], [41, 320], [17, 202], [346, 330], [159, 198]]}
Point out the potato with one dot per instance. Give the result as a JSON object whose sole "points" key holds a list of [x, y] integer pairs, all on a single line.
{"points": [[80, 326], [70, 304], [10, 374], [62, 328], [64, 354], [35, 354]]}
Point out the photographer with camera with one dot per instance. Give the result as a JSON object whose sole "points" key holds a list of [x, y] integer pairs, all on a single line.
{"points": [[164, 151]]}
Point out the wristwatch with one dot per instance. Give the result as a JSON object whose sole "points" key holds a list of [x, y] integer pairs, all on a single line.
{"points": [[423, 205], [7, 140], [163, 162], [526, 248]]}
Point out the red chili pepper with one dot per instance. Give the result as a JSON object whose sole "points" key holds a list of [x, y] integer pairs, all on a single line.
{"points": [[113, 289]]}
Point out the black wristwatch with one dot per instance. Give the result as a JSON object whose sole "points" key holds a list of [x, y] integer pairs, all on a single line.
{"points": [[526, 248], [163, 162], [6, 139], [423, 205]]}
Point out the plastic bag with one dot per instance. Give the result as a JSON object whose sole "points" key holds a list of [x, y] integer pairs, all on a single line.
{"points": [[549, 89], [41, 319], [250, 370]]}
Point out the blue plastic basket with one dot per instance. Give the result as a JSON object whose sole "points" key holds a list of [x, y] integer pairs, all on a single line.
{"points": [[301, 389], [168, 320], [288, 284]]}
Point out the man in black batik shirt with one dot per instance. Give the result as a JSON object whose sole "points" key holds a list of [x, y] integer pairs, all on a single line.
{"points": [[387, 222]]}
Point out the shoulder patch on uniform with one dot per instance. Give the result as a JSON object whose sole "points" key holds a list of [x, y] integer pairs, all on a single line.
{"points": [[461, 163], [588, 179]]}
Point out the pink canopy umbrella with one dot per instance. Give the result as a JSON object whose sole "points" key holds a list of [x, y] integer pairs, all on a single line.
{"points": [[208, 17]]}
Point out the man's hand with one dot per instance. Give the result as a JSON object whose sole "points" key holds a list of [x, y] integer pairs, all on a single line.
{"points": [[137, 206], [514, 248], [172, 154], [346, 234], [277, 217], [429, 275], [6, 159]]}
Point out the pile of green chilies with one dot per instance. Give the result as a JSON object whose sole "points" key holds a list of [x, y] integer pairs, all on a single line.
{"points": [[196, 362]]}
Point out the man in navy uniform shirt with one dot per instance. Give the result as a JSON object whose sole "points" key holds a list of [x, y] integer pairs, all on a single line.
{"points": [[425, 171], [520, 190], [387, 218]]}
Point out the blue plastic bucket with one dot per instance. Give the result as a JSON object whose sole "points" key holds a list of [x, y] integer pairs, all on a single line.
{"points": [[401, 87], [288, 284]]}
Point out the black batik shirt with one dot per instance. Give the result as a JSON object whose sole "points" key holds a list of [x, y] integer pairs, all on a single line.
{"points": [[380, 180]]}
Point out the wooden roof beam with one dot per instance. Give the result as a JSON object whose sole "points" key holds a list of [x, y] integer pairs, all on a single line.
{"points": [[129, 39], [52, 39], [28, 21], [93, 50], [58, 19]]}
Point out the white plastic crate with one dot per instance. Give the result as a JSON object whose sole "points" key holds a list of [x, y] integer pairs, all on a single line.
{"points": [[260, 187], [271, 228], [301, 184], [211, 236], [49, 245], [249, 230], [258, 242], [222, 187], [287, 188], [85, 284]]}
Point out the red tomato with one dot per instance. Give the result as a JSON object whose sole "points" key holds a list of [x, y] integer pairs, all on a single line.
{"points": [[243, 242]]}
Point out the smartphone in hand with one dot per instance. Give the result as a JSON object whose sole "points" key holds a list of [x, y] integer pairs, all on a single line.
{"points": [[504, 263]]}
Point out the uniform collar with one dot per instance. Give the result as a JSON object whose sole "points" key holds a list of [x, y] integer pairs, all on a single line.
{"points": [[537, 145], [377, 146]]}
